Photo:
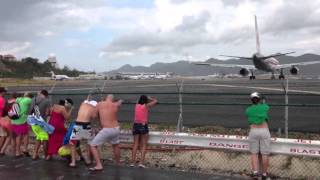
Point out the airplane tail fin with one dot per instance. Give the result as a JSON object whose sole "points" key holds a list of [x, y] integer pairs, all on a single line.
{"points": [[257, 35]]}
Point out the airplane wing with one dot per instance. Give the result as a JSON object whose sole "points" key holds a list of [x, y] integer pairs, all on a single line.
{"points": [[227, 65], [298, 64], [239, 57], [276, 55]]}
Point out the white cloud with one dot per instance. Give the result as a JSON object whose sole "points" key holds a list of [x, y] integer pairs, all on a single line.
{"points": [[15, 48], [185, 25], [199, 28], [46, 34]]}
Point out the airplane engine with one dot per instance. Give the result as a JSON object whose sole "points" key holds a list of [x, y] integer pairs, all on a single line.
{"points": [[294, 70], [244, 72]]}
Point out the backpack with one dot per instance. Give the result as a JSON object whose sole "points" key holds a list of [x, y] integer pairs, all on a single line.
{"points": [[36, 110], [14, 111]]}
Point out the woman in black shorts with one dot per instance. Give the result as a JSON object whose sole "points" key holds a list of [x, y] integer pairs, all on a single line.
{"points": [[140, 129]]}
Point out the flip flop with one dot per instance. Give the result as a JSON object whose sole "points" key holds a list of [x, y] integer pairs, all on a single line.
{"points": [[18, 156], [72, 166], [27, 154], [88, 164], [35, 158], [95, 169]]}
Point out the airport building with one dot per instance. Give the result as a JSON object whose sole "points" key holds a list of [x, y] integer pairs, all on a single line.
{"points": [[8, 57]]}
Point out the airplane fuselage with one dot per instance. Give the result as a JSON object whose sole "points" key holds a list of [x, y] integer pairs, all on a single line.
{"points": [[268, 65]]}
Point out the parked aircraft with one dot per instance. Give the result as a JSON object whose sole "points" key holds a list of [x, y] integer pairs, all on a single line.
{"points": [[58, 77]]}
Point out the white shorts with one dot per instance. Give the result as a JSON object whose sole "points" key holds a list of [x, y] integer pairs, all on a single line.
{"points": [[110, 135], [259, 141]]}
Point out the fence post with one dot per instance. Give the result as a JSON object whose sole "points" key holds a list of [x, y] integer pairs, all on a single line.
{"points": [[286, 109], [180, 119], [102, 89], [51, 90]]}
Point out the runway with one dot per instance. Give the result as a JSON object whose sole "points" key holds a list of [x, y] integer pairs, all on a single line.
{"points": [[303, 119]]}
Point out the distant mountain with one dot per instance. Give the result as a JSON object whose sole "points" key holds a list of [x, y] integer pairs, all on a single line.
{"points": [[184, 68]]}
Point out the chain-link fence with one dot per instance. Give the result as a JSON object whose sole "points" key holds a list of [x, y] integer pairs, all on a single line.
{"points": [[212, 161], [206, 112], [216, 109]]}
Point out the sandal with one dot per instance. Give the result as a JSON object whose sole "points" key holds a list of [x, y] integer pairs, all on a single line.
{"points": [[26, 153], [95, 169], [72, 166], [142, 166]]}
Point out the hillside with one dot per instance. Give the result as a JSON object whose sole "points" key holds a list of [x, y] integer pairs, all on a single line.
{"points": [[187, 69], [30, 67]]}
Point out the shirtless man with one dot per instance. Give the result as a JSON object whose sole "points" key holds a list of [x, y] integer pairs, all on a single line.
{"points": [[107, 111], [82, 129]]}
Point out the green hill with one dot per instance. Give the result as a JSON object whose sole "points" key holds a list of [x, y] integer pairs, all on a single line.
{"points": [[30, 67]]}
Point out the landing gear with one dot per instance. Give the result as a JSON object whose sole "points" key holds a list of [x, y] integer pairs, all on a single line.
{"points": [[252, 76], [281, 76], [273, 76]]}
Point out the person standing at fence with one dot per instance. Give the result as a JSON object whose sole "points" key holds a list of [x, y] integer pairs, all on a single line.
{"points": [[5, 122], [59, 114], [39, 111], [20, 127], [3, 133], [82, 130], [259, 135], [140, 129], [110, 132]]}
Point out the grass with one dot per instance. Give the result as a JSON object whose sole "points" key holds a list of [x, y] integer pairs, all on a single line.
{"points": [[8, 82]]}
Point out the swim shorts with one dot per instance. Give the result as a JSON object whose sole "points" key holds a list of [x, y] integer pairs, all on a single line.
{"points": [[21, 129], [41, 135], [110, 135], [259, 141], [139, 128], [80, 131]]}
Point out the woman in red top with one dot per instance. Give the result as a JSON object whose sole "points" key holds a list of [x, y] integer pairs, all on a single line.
{"points": [[59, 114], [140, 128]]}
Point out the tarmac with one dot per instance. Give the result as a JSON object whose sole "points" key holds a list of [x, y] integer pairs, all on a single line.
{"points": [[26, 169], [303, 91]]}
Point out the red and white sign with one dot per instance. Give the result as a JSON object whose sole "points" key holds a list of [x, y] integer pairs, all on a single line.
{"points": [[231, 142]]}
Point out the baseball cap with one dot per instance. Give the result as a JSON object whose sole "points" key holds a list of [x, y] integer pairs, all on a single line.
{"points": [[2, 89], [254, 95], [92, 103]]}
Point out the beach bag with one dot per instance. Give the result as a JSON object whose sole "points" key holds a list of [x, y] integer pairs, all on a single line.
{"points": [[66, 138], [14, 111], [64, 151]]}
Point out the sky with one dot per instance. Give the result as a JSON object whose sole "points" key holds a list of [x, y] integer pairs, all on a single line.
{"points": [[102, 35]]}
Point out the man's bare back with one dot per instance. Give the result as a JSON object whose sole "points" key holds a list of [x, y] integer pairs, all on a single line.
{"points": [[86, 113], [108, 112]]}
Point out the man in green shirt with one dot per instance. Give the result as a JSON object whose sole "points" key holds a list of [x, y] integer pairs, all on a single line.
{"points": [[259, 135], [20, 127]]}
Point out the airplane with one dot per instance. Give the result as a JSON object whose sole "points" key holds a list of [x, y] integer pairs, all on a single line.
{"points": [[58, 77], [161, 76], [263, 63]]}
